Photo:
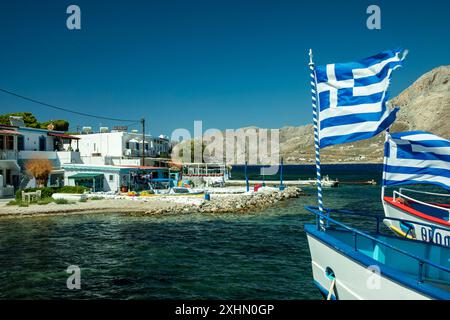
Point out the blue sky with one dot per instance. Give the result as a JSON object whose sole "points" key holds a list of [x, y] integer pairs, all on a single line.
{"points": [[228, 63]]}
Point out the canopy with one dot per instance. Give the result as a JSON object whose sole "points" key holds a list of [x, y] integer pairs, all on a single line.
{"points": [[133, 141], [9, 132], [86, 175], [63, 135]]}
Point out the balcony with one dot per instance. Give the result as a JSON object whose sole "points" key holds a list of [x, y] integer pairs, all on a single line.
{"points": [[57, 157], [8, 155]]}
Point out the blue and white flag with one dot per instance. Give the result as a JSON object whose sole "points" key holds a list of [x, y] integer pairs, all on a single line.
{"points": [[352, 98], [416, 157]]}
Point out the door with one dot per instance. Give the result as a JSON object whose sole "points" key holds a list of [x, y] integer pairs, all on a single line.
{"points": [[20, 143], [42, 143]]}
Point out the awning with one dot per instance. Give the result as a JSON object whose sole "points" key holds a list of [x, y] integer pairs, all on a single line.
{"points": [[133, 141], [86, 175], [10, 132], [63, 135]]}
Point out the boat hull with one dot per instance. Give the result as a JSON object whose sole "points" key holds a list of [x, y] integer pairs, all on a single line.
{"points": [[422, 232], [354, 281]]}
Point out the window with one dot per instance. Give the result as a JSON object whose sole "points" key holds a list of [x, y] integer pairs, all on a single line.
{"points": [[111, 177], [2, 142], [9, 143], [127, 145]]}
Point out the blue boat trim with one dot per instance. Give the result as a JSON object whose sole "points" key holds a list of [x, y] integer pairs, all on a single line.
{"points": [[365, 262]]}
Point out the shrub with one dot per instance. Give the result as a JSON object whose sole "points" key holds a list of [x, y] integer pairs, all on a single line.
{"points": [[45, 192], [61, 201], [45, 201], [13, 203], [72, 189], [23, 204], [83, 200], [97, 198], [39, 169]]}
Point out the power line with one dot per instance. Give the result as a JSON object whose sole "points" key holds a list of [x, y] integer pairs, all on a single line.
{"points": [[64, 109]]}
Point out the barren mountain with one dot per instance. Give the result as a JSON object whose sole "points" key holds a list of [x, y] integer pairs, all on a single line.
{"points": [[425, 105]]}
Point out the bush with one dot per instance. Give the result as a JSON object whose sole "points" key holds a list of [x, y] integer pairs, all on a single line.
{"points": [[45, 201], [61, 201], [13, 203], [47, 192], [83, 200], [72, 189], [96, 198]]}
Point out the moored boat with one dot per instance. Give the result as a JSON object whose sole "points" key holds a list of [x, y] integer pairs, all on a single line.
{"points": [[351, 264], [417, 158], [412, 216]]}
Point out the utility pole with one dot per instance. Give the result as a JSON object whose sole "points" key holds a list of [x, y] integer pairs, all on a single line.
{"points": [[143, 141]]}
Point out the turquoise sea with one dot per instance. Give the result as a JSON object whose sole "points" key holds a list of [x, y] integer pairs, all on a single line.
{"points": [[231, 256]]}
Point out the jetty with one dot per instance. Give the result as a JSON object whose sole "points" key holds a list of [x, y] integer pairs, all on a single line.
{"points": [[326, 182]]}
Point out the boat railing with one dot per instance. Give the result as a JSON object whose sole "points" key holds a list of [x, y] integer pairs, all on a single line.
{"points": [[398, 194], [424, 192], [326, 216], [380, 218]]}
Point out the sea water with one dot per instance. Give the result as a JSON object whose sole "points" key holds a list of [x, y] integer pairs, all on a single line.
{"points": [[261, 255]]}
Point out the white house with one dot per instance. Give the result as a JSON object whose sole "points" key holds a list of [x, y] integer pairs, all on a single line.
{"points": [[119, 147], [19, 144]]}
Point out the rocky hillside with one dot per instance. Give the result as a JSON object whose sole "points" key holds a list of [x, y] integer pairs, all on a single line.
{"points": [[425, 105]]}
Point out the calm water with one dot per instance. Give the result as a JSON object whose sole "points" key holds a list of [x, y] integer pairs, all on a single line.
{"points": [[255, 256]]}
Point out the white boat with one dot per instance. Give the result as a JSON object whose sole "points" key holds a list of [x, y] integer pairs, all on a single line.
{"points": [[326, 182], [350, 264], [184, 190], [410, 216]]}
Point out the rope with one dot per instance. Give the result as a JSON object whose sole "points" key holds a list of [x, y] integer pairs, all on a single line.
{"points": [[333, 283]]}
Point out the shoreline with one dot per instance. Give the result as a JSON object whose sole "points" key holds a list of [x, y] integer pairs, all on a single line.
{"points": [[159, 205]]}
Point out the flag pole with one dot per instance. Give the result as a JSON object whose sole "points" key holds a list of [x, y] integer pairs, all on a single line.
{"points": [[316, 130], [386, 139]]}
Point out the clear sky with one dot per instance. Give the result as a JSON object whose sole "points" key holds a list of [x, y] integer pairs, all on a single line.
{"points": [[229, 63]]}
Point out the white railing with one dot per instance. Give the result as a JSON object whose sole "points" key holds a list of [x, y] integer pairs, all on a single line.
{"points": [[8, 155], [60, 156], [398, 194], [424, 192]]}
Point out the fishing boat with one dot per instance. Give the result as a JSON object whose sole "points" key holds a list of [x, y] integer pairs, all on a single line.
{"points": [[348, 263], [417, 158]]}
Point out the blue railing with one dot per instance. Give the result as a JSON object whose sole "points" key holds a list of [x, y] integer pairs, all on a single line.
{"points": [[325, 216], [379, 218]]}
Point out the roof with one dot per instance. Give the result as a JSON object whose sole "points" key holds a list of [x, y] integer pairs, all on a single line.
{"points": [[63, 135], [143, 167], [86, 175], [10, 132]]}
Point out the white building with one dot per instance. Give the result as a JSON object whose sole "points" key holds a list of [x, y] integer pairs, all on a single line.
{"points": [[119, 147], [19, 144]]}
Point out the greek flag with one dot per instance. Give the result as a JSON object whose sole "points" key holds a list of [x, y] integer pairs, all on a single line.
{"points": [[352, 98], [416, 157]]}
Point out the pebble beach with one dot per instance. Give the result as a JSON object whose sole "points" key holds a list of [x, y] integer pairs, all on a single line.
{"points": [[222, 200]]}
